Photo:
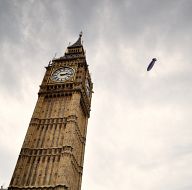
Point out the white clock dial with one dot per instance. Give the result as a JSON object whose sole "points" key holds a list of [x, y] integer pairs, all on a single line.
{"points": [[62, 74]]}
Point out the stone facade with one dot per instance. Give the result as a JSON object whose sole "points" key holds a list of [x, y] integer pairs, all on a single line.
{"points": [[53, 150]]}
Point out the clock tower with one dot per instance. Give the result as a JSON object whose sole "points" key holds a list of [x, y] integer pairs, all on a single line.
{"points": [[53, 150]]}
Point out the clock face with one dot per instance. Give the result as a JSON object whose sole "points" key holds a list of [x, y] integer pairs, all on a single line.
{"points": [[62, 74]]}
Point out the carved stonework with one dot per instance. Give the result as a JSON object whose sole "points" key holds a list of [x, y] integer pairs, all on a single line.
{"points": [[52, 153]]}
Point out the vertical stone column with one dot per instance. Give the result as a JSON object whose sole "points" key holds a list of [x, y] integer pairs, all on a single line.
{"points": [[65, 172], [27, 165], [38, 145], [38, 107], [51, 171], [55, 170], [44, 176], [32, 138], [48, 170], [33, 171], [16, 172], [23, 169], [43, 166], [51, 135], [75, 101], [39, 172], [29, 174], [43, 135]]}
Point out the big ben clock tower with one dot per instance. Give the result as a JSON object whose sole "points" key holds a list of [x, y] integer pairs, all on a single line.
{"points": [[53, 150]]}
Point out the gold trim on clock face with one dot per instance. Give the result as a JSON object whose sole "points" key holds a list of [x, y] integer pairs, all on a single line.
{"points": [[63, 74]]}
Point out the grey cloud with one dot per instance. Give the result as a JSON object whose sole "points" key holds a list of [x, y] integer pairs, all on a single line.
{"points": [[8, 164], [140, 121], [11, 27]]}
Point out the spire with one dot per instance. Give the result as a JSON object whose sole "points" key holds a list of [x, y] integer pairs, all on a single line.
{"points": [[78, 42], [75, 50]]}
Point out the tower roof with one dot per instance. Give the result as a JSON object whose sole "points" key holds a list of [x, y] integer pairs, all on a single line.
{"points": [[78, 42], [73, 51]]}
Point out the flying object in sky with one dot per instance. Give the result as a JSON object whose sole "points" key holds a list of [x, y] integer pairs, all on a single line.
{"points": [[151, 64]]}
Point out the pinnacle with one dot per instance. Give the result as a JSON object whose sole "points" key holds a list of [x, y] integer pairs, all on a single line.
{"points": [[78, 42]]}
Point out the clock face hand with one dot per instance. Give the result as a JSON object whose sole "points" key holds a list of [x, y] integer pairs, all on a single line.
{"points": [[63, 74]]}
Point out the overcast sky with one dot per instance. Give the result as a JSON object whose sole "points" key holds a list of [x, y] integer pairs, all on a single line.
{"points": [[140, 132]]}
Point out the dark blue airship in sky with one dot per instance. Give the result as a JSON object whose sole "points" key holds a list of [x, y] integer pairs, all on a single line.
{"points": [[151, 64]]}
